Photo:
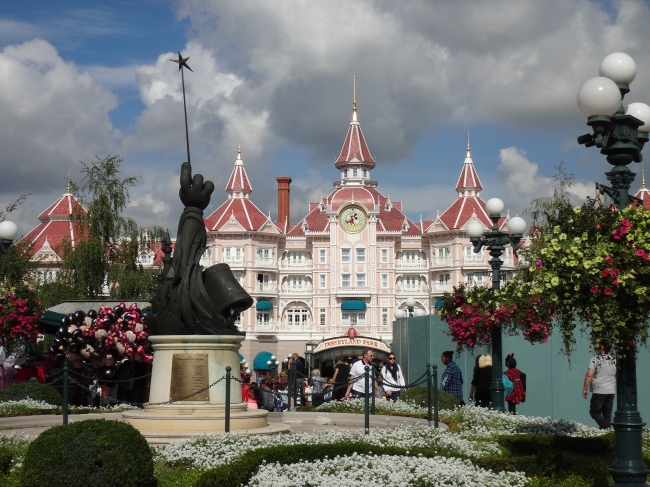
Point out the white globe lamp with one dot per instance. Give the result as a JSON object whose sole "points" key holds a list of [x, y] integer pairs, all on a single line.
{"points": [[619, 67], [494, 206], [517, 225], [8, 230], [419, 312], [642, 112], [474, 230], [410, 302], [599, 96], [399, 314]]}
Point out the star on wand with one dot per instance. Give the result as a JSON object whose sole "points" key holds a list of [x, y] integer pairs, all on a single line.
{"points": [[182, 63]]}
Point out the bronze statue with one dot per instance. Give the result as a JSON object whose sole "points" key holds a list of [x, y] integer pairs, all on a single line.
{"points": [[191, 300]]}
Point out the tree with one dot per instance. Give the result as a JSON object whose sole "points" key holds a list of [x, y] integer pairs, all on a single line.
{"points": [[104, 260], [17, 266]]}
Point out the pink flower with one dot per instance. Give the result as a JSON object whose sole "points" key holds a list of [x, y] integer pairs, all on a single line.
{"points": [[646, 256], [598, 227], [640, 252], [623, 230], [538, 263], [607, 291], [616, 235], [594, 289], [608, 260], [605, 272], [627, 223], [632, 343]]}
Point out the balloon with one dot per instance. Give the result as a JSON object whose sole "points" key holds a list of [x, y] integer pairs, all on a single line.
{"points": [[92, 314], [73, 348], [80, 315], [66, 321], [73, 318]]}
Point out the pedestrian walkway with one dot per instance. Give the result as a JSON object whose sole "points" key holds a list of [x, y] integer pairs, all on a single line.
{"points": [[311, 423]]}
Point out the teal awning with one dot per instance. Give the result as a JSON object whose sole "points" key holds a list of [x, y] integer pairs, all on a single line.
{"points": [[353, 305], [260, 361], [439, 303], [263, 304], [241, 357]]}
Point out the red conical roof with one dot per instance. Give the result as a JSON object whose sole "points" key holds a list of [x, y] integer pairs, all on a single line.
{"points": [[643, 193], [355, 148], [468, 178], [238, 179]]}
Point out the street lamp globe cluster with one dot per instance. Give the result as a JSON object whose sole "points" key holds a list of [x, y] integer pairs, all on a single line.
{"points": [[620, 134], [496, 240], [8, 232], [400, 314]]}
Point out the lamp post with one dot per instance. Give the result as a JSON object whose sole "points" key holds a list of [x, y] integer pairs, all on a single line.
{"points": [[496, 240], [309, 351], [400, 314], [620, 135], [273, 365], [8, 232]]}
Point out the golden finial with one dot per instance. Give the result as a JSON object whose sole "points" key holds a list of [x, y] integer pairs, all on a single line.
{"points": [[354, 98]]}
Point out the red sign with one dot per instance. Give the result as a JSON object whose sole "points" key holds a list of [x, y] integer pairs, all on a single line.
{"points": [[352, 333]]}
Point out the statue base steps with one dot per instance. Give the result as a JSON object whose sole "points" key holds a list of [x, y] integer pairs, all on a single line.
{"points": [[163, 422]]}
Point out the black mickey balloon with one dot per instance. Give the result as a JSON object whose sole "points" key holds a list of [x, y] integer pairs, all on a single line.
{"points": [[81, 316], [66, 321], [92, 314], [73, 318]]}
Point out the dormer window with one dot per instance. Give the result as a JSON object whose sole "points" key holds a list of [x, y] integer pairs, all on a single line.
{"points": [[345, 173], [355, 173], [365, 173]]}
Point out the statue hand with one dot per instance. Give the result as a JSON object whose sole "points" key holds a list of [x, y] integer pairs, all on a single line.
{"points": [[194, 192]]}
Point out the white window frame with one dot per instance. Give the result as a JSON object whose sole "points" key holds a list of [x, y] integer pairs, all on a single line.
{"points": [[384, 256], [323, 317], [322, 256], [361, 280], [384, 281], [322, 281], [384, 316], [346, 280], [346, 256], [361, 255]]}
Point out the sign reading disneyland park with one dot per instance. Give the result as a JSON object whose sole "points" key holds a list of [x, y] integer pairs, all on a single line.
{"points": [[358, 341]]}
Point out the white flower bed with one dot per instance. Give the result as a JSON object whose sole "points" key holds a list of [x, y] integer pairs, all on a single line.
{"points": [[398, 471], [25, 406], [381, 407], [207, 452], [480, 422]]}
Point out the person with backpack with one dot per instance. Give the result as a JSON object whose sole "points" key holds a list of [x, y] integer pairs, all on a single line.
{"points": [[518, 392], [601, 377], [317, 388]]}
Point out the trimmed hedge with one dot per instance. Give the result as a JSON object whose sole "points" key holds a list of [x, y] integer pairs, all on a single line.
{"points": [[31, 390], [418, 395], [6, 456], [96, 452]]}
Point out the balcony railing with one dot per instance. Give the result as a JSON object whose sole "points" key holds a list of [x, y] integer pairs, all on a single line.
{"points": [[441, 261], [265, 288], [441, 288], [401, 288], [299, 264], [353, 290], [298, 327], [297, 290], [265, 326], [474, 259], [234, 262], [406, 264], [265, 262]]}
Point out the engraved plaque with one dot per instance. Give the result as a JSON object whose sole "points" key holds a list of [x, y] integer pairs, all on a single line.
{"points": [[189, 374]]}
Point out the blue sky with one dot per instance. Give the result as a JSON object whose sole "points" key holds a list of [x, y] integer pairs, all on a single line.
{"points": [[85, 78]]}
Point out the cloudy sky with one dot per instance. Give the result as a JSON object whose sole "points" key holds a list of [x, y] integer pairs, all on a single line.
{"points": [[79, 79]]}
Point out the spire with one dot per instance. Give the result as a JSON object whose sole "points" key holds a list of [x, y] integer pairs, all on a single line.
{"points": [[238, 185], [354, 98], [68, 187], [468, 180], [643, 178], [355, 148], [643, 193]]}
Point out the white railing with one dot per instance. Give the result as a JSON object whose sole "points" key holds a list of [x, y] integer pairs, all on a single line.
{"points": [[401, 288], [353, 290], [265, 262], [441, 288], [266, 326], [297, 290], [265, 288], [441, 261], [475, 259], [420, 264], [234, 262], [301, 264], [299, 327]]}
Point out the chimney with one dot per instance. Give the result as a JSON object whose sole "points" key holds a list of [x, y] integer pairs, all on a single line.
{"points": [[283, 199]]}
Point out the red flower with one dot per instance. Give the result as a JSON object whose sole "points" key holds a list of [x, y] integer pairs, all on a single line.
{"points": [[607, 291], [640, 253], [627, 223], [594, 289]]}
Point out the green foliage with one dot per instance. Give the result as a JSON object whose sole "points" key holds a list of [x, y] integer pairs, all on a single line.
{"points": [[556, 460], [31, 390], [418, 396], [16, 265], [108, 250], [6, 457], [95, 452]]}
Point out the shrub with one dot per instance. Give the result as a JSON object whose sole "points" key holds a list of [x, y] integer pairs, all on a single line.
{"points": [[95, 452], [418, 396], [6, 456], [32, 390]]}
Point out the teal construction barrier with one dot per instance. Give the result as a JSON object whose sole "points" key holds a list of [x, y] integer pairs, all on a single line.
{"points": [[554, 384]]}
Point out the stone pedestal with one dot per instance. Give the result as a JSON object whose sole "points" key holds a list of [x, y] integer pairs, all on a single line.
{"points": [[162, 423]]}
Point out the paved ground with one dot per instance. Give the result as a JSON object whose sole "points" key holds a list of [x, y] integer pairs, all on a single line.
{"points": [[300, 422]]}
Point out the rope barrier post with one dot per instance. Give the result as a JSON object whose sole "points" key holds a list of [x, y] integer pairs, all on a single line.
{"points": [[227, 425], [429, 393], [65, 392], [366, 376], [374, 391], [435, 396]]}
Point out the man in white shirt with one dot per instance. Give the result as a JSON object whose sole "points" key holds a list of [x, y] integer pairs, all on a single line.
{"points": [[601, 376], [358, 368]]}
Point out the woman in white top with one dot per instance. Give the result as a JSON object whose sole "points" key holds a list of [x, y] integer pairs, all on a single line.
{"points": [[392, 377]]}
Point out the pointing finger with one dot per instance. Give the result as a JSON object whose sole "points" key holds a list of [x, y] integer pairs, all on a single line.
{"points": [[186, 174], [197, 181]]}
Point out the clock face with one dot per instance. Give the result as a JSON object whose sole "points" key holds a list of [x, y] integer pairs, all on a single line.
{"points": [[353, 219]]}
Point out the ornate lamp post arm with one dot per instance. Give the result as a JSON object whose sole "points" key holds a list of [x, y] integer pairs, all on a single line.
{"points": [[620, 135], [496, 240]]}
